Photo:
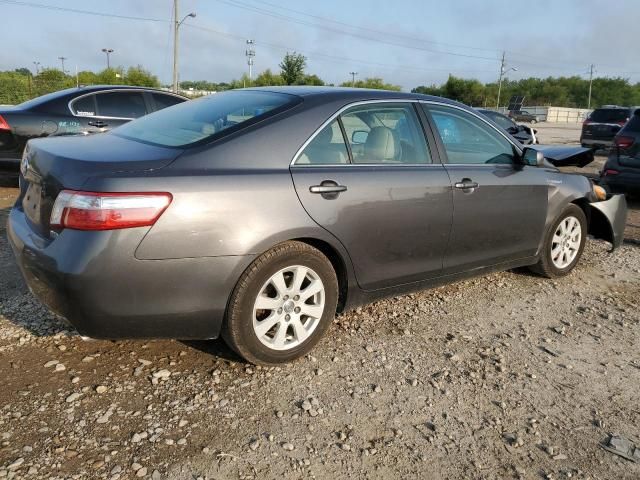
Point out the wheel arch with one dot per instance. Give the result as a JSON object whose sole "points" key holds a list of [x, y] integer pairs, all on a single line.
{"points": [[338, 263]]}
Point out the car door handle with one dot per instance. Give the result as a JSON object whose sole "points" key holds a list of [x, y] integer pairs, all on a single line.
{"points": [[466, 184], [327, 187], [98, 123]]}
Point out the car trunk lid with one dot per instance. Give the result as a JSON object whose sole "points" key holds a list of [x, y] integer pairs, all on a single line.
{"points": [[51, 165]]}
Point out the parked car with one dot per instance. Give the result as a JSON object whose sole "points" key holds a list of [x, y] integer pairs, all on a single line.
{"points": [[75, 111], [602, 125], [525, 135], [523, 116], [621, 172], [257, 214]]}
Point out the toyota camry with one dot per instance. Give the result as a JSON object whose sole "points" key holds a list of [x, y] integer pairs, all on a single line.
{"points": [[258, 214]]}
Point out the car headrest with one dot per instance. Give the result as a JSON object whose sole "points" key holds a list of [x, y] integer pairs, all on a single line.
{"points": [[324, 137], [382, 144]]}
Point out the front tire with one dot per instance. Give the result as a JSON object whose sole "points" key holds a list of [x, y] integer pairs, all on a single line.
{"points": [[564, 243], [282, 304]]}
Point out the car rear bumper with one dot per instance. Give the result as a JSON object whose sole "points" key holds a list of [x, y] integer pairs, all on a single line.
{"points": [[623, 182], [94, 281], [596, 142]]}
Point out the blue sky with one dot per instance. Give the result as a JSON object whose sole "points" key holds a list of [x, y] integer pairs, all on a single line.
{"points": [[407, 42]]}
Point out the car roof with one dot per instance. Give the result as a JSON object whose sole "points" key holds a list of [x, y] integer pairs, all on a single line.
{"points": [[351, 94]]}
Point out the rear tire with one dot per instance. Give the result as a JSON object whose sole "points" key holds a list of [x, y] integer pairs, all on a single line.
{"points": [[563, 244], [282, 304]]}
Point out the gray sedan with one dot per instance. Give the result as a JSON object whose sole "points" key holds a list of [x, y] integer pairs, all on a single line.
{"points": [[258, 214]]}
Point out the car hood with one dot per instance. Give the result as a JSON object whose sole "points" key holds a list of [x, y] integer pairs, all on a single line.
{"points": [[564, 156]]}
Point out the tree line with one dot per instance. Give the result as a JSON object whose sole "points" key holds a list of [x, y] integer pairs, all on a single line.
{"points": [[20, 85], [560, 92]]}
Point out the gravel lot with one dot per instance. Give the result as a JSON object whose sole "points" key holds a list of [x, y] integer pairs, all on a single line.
{"points": [[504, 376]]}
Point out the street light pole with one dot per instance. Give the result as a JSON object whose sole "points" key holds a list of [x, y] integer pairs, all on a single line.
{"points": [[176, 27], [108, 51], [503, 71], [250, 53], [37, 64], [353, 78], [62, 59]]}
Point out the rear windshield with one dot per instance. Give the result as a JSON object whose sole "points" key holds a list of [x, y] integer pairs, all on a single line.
{"points": [[205, 118], [609, 115]]}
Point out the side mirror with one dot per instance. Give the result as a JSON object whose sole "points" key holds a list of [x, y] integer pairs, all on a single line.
{"points": [[513, 130], [533, 157], [359, 136]]}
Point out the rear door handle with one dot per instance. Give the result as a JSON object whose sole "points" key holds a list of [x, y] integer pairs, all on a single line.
{"points": [[327, 189], [466, 184]]}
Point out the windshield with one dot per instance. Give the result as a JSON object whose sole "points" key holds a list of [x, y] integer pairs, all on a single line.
{"points": [[202, 119]]}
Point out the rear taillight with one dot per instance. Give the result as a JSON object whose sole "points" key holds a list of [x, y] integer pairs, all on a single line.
{"points": [[107, 211], [610, 171], [623, 141], [4, 125]]}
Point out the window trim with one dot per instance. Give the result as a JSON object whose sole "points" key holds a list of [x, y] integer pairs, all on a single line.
{"points": [[424, 132], [110, 90]]}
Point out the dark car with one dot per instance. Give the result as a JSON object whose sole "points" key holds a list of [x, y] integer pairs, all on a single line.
{"points": [[523, 116], [621, 172], [257, 214], [602, 125], [75, 111], [524, 134]]}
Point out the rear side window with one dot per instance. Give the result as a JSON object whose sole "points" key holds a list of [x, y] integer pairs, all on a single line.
{"points": [[163, 101], [84, 106], [609, 115], [121, 104], [206, 118], [385, 133]]}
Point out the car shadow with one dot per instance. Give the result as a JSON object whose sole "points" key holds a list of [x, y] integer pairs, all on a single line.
{"points": [[216, 347], [17, 303]]}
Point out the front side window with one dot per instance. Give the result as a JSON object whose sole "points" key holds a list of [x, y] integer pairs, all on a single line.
{"points": [[326, 148], [469, 140], [205, 118], [385, 133], [121, 104]]}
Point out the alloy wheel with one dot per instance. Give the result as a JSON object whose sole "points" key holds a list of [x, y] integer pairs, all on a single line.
{"points": [[288, 307], [565, 244]]}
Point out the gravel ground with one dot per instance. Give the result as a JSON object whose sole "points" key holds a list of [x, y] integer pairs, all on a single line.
{"points": [[503, 376]]}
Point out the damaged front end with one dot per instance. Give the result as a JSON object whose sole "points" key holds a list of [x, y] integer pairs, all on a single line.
{"points": [[608, 219]]}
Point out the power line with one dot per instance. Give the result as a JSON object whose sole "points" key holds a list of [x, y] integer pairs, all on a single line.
{"points": [[84, 12], [235, 3]]}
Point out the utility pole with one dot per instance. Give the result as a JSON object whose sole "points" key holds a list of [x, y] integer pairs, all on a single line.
{"points": [[176, 28], [250, 53], [503, 70], [590, 84], [62, 59], [37, 64], [353, 78], [175, 46], [108, 51]]}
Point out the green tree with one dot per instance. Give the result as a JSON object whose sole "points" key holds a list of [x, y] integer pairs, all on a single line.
{"points": [[140, 77], [23, 71], [374, 82], [314, 80], [292, 68]]}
